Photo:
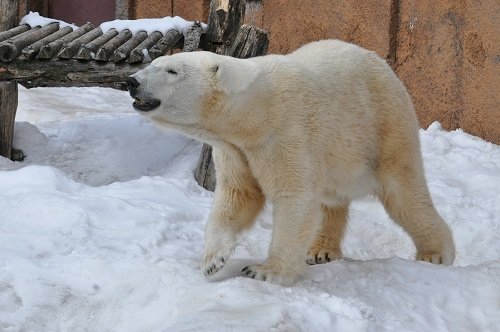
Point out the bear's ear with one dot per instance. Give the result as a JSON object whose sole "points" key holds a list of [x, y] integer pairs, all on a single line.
{"points": [[235, 75]]}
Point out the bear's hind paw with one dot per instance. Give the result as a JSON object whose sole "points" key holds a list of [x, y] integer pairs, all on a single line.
{"points": [[322, 256], [434, 258], [261, 272]]}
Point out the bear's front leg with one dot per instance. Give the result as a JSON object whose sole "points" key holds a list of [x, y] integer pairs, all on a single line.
{"points": [[296, 221], [238, 199]]}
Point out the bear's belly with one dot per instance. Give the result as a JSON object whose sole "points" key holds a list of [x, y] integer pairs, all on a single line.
{"points": [[342, 188]]}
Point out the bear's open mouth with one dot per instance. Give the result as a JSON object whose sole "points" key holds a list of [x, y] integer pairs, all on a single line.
{"points": [[145, 105]]}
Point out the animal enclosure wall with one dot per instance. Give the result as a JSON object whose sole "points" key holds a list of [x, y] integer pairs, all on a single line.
{"points": [[446, 52]]}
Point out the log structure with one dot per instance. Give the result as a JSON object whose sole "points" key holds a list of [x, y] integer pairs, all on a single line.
{"points": [[54, 56]]}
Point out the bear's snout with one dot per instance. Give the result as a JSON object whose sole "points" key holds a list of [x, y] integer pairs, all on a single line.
{"points": [[132, 84], [142, 101]]}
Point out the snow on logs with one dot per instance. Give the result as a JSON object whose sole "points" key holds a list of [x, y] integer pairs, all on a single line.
{"points": [[90, 55], [90, 43]]}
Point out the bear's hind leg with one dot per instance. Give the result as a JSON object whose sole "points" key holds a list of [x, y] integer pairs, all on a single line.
{"points": [[296, 221], [407, 200], [238, 199], [326, 246]]}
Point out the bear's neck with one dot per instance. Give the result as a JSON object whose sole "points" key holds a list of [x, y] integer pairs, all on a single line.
{"points": [[243, 124]]}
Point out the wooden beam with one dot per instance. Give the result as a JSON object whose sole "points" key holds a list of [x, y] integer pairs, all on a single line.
{"points": [[70, 72], [70, 49], [124, 51], [165, 44], [192, 38], [4, 35], [88, 51], [8, 107], [137, 54], [8, 90], [106, 51], [11, 48], [31, 51], [224, 20], [250, 42], [49, 50]]}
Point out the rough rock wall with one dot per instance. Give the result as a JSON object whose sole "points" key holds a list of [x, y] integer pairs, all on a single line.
{"points": [[188, 9], [293, 23], [448, 55], [446, 52]]}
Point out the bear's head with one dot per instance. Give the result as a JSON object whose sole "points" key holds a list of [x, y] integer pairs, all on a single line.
{"points": [[188, 91]]}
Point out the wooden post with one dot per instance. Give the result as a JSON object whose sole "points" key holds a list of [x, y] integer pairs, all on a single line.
{"points": [[8, 90], [227, 36]]}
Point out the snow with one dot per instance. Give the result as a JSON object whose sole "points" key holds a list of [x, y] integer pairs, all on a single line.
{"points": [[101, 229], [147, 24], [34, 19], [151, 25]]}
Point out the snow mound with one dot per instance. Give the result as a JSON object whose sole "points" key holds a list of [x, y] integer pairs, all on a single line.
{"points": [[102, 229]]}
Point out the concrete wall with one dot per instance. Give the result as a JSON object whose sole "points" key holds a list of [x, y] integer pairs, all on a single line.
{"points": [[446, 52]]}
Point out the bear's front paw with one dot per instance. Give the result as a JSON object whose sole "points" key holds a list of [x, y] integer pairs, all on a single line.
{"points": [[214, 265], [266, 273], [322, 256], [215, 260]]}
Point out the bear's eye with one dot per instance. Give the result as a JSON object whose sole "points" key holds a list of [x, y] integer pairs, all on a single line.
{"points": [[171, 71]]}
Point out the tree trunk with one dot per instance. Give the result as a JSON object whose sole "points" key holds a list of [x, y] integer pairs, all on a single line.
{"points": [[226, 36], [8, 91]]}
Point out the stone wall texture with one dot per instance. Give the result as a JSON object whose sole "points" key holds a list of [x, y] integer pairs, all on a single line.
{"points": [[446, 52], [448, 55]]}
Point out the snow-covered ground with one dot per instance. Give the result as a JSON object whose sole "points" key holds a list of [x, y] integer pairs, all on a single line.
{"points": [[101, 229]]}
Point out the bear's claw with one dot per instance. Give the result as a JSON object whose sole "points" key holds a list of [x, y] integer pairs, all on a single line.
{"points": [[434, 258], [322, 256], [263, 273], [215, 265]]}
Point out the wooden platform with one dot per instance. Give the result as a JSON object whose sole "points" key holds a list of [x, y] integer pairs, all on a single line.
{"points": [[54, 56]]}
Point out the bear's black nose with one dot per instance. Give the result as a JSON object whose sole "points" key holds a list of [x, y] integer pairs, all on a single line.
{"points": [[132, 83]]}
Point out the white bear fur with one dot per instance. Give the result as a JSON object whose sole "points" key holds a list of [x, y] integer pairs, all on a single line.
{"points": [[309, 132]]}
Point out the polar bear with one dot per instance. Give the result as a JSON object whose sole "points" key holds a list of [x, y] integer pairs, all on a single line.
{"points": [[309, 132]]}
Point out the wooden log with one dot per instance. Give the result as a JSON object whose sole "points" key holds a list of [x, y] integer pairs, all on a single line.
{"points": [[88, 51], [70, 49], [48, 51], [123, 51], [248, 42], [205, 169], [224, 20], [106, 51], [12, 47], [137, 55], [259, 41], [8, 90], [30, 51], [165, 44], [70, 72], [13, 32], [192, 38], [8, 107]]}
